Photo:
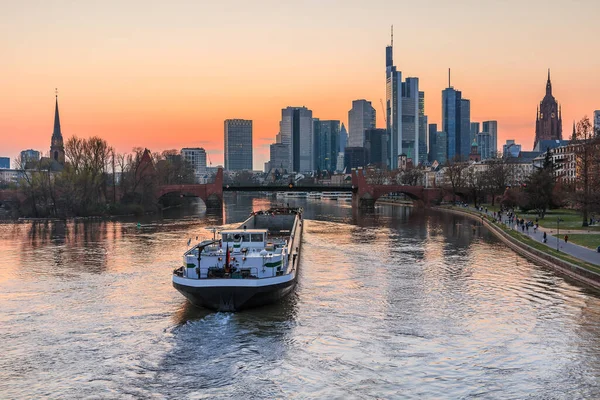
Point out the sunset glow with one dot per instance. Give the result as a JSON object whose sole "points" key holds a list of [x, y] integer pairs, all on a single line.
{"points": [[162, 76]]}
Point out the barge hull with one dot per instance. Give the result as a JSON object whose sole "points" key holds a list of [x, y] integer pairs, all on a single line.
{"points": [[222, 298]]}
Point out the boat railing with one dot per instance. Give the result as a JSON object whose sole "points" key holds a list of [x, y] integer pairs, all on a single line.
{"points": [[231, 273]]}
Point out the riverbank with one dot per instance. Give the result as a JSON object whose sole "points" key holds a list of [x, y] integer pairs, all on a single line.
{"points": [[561, 262]]}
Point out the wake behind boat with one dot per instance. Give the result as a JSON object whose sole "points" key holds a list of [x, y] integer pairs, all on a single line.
{"points": [[255, 264]]}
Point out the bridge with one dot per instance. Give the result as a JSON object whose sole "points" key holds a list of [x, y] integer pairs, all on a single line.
{"points": [[364, 194]]}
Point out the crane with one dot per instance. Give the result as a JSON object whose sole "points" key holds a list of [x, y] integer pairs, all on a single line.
{"points": [[383, 110]]}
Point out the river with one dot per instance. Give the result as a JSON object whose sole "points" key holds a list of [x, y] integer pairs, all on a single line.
{"points": [[396, 303]]}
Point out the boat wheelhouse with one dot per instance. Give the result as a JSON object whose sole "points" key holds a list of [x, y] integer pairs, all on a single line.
{"points": [[254, 264]]}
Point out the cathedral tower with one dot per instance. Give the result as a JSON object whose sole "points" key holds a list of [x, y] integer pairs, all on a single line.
{"points": [[548, 121], [57, 148]]}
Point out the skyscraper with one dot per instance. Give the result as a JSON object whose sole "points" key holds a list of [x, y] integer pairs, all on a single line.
{"points": [[597, 122], [484, 145], [376, 151], [57, 148], [343, 138], [451, 101], [465, 129], [354, 157], [196, 157], [491, 127], [474, 130], [456, 122], [4, 163], [548, 120], [432, 128], [296, 128], [238, 144], [402, 112], [279, 156], [360, 117], [422, 129], [441, 146], [326, 135]]}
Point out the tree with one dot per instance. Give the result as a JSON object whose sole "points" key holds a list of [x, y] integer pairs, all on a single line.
{"points": [[497, 177], [585, 146], [455, 175], [412, 177], [474, 182], [539, 187]]}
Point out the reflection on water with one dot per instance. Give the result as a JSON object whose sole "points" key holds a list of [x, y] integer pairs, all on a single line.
{"points": [[398, 302]]}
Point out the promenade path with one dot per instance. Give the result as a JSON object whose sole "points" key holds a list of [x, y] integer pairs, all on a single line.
{"points": [[583, 253]]}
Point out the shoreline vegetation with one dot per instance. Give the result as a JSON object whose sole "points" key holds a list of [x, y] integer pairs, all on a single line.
{"points": [[563, 263]]}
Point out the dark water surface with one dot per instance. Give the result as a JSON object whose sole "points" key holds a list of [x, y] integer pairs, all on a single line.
{"points": [[399, 303]]}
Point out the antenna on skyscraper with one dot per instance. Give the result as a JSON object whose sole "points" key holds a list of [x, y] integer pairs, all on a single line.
{"points": [[392, 44], [449, 78]]}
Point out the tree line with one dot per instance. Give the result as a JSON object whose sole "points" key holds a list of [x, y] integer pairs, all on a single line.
{"points": [[97, 181]]}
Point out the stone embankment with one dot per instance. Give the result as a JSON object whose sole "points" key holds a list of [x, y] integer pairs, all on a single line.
{"points": [[563, 267]]}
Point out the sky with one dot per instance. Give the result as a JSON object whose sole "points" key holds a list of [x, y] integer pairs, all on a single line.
{"points": [[165, 75]]}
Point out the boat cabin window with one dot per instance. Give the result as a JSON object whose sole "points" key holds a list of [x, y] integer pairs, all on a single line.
{"points": [[257, 237]]}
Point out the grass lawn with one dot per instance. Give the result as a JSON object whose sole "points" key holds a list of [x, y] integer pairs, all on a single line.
{"points": [[495, 207], [591, 241], [570, 219]]}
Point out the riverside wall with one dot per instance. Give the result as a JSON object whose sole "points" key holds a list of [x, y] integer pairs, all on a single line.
{"points": [[561, 266]]}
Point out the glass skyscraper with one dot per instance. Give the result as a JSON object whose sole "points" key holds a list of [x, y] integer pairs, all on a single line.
{"points": [[238, 144], [296, 129], [491, 127], [402, 112], [327, 136]]}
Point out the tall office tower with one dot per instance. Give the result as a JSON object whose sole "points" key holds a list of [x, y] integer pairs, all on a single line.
{"points": [[474, 130], [30, 155], [484, 145], [376, 147], [327, 137], [432, 128], [465, 129], [238, 144], [340, 162], [491, 127], [360, 118], [57, 148], [422, 129], [4, 162], [279, 156], [354, 157], [441, 140], [343, 138], [597, 122], [451, 103], [196, 157], [548, 120], [402, 112], [296, 128]]}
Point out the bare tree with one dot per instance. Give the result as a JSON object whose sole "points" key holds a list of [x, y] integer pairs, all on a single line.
{"points": [[585, 145], [455, 175]]}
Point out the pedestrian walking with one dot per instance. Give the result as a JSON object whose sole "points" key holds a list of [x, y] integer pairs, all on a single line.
{"points": [[566, 238], [545, 238]]}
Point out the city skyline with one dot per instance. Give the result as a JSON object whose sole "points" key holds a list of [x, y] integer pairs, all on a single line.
{"points": [[157, 82]]}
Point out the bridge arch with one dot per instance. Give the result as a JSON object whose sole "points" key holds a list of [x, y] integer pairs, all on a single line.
{"points": [[367, 194]]}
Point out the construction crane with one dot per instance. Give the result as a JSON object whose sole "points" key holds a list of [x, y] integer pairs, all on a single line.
{"points": [[383, 110], [209, 161]]}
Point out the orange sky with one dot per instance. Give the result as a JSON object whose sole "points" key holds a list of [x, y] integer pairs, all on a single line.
{"points": [[158, 75]]}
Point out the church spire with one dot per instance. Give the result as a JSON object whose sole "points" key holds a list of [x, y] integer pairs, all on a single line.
{"points": [[56, 133], [549, 85]]}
